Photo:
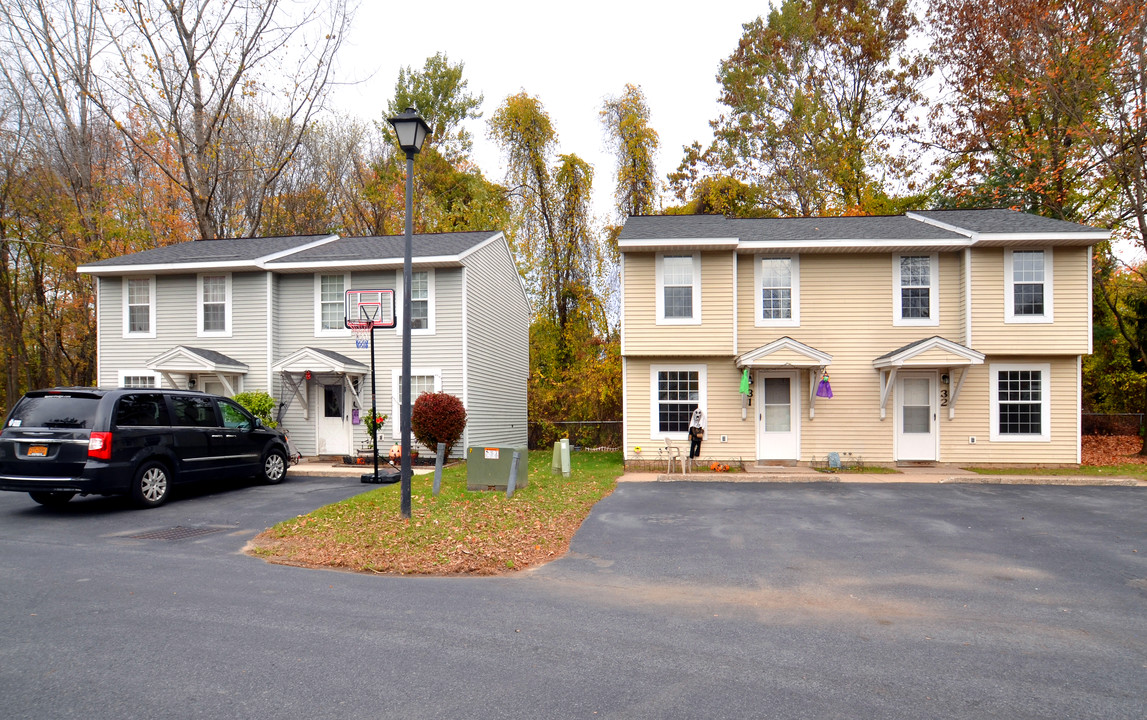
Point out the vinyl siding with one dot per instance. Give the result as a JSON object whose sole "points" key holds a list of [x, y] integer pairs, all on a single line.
{"points": [[846, 310], [643, 336], [497, 349], [175, 324], [1071, 307], [441, 351]]}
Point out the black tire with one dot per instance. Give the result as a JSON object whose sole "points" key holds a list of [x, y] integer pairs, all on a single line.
{"points": [[52, 499], [274, 470], [152, 484]]}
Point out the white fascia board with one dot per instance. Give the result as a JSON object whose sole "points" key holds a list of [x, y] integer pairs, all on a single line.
{"points": [[313, 244], [465, 253], [886, 245], [936, 223], [169, 268], [970, 356], [683, 243], [1040, 237], [363, 263]]}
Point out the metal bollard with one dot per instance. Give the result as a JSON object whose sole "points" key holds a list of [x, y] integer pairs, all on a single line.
{"points": [[513, 475], [438, 468]]}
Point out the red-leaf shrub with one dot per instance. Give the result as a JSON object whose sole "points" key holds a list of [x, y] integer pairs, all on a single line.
{"points": [[437, 417]]}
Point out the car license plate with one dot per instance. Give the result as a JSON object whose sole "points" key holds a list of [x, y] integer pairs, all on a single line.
{"points": [[38, 451]]}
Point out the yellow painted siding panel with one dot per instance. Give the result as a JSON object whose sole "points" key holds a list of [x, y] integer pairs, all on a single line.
{"points": [[643, 336], [936, 357], [973, 419], [1071, 306]]}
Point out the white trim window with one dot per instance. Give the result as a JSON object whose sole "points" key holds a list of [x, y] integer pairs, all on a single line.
{"points": [[422, 302], [675, 392], [330, 305], [129, 378], [139, 307], [1028, 286], [678, 289], [213, 309], [422, 380], [915, 295], [1021, 402], [777, 300]]}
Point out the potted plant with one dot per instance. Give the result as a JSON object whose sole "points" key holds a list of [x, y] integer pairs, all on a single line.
{"points": [[374, 421]]}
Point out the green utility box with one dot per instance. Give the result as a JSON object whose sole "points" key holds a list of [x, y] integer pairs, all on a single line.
{"points": [[488, 468]]}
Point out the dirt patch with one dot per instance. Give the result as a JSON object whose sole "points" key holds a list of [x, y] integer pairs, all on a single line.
{"points": [[1112, 450]]}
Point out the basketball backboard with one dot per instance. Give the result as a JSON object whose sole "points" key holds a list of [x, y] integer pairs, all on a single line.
{"points": [[366, 308]]}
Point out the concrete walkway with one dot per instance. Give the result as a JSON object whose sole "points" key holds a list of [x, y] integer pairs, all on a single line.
{"points": [[936, 475]]}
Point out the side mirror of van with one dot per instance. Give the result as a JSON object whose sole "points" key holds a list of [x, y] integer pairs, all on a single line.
{"points": [[258, 424]]}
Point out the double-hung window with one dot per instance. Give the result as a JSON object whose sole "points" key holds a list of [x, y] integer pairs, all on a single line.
{"points": [[915, 296], [1020, 402], [214, 307], [778, 291], [330, 304], [678, 289], [421, 302], [1028, 290], [139, 307], [422, 380], [676, 392]]}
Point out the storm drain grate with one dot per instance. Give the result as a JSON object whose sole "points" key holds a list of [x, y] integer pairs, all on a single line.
{"points": [[178, 533]]}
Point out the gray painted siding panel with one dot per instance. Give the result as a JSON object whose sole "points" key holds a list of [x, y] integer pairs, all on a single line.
{"points": [[498, 326], [295, 330]]}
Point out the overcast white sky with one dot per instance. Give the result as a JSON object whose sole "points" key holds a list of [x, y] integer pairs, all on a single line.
{"points": [[569, 55]]}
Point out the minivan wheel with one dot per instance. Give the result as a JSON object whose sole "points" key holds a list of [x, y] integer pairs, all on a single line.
{"points": [[274, 467], [51, 499], [152, 485]]}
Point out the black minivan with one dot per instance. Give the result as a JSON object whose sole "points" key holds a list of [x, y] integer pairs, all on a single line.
{"points": [[131, 441]]}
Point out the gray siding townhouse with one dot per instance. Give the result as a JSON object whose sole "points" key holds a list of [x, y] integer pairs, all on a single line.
{"points": [[234, 315]]}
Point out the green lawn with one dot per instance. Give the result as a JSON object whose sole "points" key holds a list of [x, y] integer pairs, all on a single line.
{"points": [[457, 532], [1133, 470]]}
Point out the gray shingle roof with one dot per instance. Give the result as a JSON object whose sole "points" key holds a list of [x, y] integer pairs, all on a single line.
{"points": [[234, 250], [388, 246], [216, 357], [1003, 221], [862, 228]]}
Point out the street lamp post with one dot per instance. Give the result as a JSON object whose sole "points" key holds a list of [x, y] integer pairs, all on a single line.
{"points": [[411, 130]]}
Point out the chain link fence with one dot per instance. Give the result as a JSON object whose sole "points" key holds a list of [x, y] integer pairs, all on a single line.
{"points": [[589, 434], [1113, 423]]}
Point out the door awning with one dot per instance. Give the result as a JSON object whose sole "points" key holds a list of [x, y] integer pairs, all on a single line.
{"points": [[293, 370], [186, 360], [784, 353], [788, 353], [927, 354]]}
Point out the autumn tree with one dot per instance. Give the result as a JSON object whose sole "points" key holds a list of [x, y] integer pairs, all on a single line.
{"points": [[441, 95], [234, 85], [821, 98], [1023, 83], [634, 143]]}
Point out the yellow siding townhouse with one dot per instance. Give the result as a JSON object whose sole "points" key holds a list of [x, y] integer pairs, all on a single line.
{"points": [[949, 336]]}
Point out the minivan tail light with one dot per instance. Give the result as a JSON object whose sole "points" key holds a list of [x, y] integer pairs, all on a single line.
{"points": [[100, 445]]}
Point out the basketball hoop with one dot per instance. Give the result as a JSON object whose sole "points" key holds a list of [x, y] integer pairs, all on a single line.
{"points": [[361, 331]]}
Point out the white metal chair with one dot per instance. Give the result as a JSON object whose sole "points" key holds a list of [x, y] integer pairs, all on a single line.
{"points": [[672, 452]]}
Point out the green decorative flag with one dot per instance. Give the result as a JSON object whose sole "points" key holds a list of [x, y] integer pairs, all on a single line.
{"points": [[745, 382]]}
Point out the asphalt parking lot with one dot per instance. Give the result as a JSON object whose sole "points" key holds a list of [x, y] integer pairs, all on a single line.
{"points": [[677, 600]]}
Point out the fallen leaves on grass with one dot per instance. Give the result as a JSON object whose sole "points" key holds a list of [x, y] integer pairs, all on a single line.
{"points": [[1112, 450]]}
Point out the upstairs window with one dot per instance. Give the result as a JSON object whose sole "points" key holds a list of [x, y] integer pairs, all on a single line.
{"points": [[330, 304], [421, 302], [215, 305], [679, 289], [1028, 291], [778, 291], [139, 307], [915, 297]]}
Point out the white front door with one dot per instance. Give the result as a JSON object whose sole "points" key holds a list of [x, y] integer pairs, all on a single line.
{"points": [[916, 416], [777, 395], [334, 421]]}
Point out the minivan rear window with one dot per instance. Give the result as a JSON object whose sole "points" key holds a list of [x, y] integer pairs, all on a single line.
{"points": [[55, 410], [141, 410]]}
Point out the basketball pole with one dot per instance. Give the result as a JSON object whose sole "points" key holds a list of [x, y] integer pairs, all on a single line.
{"points": [[373, 402]]}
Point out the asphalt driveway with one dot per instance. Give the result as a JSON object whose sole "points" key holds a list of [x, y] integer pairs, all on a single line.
{"points": [[676, 600]]}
